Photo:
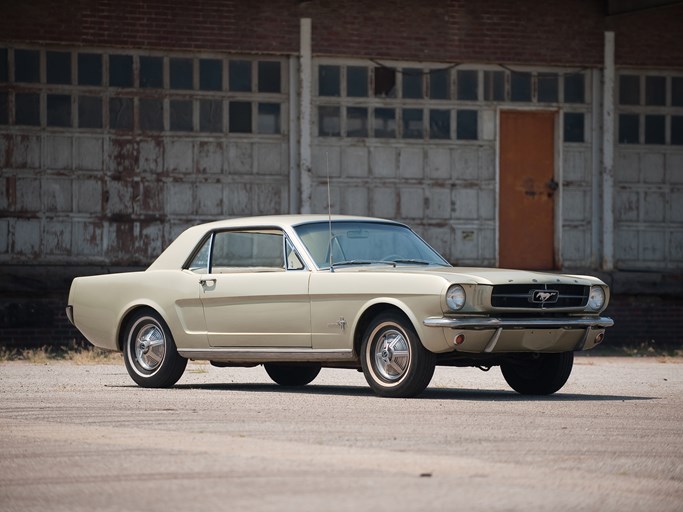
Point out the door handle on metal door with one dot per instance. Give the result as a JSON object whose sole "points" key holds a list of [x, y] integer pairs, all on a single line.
{"points": [[207, 280]]}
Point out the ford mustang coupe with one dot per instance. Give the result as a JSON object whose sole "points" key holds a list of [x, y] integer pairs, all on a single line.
{"points": [[296, 293]]}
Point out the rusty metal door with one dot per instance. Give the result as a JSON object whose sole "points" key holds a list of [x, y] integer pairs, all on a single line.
{"points": [[527, 190]]}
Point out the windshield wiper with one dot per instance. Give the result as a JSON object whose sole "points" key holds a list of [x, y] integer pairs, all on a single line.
{"points": [[418, 262], [363, 262]]}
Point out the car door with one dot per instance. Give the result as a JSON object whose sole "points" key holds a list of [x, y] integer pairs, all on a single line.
{"points": [[255, 291]]}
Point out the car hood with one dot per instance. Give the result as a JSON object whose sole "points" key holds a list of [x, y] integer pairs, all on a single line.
{"points": [[483, 275]]}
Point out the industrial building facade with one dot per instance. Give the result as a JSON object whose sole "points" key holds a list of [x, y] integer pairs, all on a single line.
{"points": [[535, 135]]}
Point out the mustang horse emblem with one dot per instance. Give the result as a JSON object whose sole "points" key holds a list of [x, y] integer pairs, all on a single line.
{"points": [[545, 296]]}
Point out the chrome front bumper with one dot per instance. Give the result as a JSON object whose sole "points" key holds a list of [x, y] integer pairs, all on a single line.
{"points": [[571, 322]]}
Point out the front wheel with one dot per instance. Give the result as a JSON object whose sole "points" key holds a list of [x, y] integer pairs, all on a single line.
{"points": [[150, 353], [292, 375], [394, 361], [538, 374]]}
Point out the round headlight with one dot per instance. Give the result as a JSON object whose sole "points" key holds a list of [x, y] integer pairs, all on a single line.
{"points": [[597, 298], [455, 297]]}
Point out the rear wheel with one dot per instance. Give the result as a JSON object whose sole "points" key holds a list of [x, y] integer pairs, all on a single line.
{"points": [[292, 375], [538, 374], [394, 362], [150, 353]]}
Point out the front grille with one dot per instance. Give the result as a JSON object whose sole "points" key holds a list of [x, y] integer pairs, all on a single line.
{"points": [[525, 296]]}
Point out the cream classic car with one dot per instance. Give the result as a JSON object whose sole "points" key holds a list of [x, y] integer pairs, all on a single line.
{"points": [[297, 293]]}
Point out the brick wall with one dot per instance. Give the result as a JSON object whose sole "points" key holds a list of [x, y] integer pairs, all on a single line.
{"points": [[525, 31]]}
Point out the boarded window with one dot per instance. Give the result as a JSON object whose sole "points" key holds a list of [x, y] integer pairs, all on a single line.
{"points": [[26, 66], [239, 117], [385, 82], [151, 115], [357, 81], [269, 118], [655, 90], [413, 124], [269, 76], [494, 85], [180, 115], [520, 86], [655, 129], [439, 124], [328, 81], [329, 124], [439, 87], [89, 69], [211, 116], [547, 84], [574, 88], [467, 125], [628, 129], [677, 130], [629, 90], [181, 74], [59, 110], [240, 75], [152, 72], [385, 123], [89, 112], [210, 74], [467, 85], [573, 127], [121, 113], [412, 83], [27, 109], [121, 70], [58, 67], [357, 122]]}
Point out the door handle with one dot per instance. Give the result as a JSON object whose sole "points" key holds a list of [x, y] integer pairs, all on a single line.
{"points": [[207, 280]]}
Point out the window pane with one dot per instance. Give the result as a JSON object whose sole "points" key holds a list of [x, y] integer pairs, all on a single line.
{"points": [[121, 113], [181, 74], [438, 84], [240, 117], [412, 83], [152, 72], [547, 87], [235, 249], [58, 67], [4, 69], [27, 109], [677, 130], [357, 81], [211, 116], [121, 70], [494, 85], [4, 108], [268, 76], [467, 124], [180, 118], [655, 90], [385, 82], [328, 122], [89, 69], [439, 124], [328, 80], [467, 85], [151, 115], [385, 122], [628, 129], [240, 75], [629, 90], [210, 74], [573, 127], [89, 112], [58, 110], [654, 129], [269, 118], [677, 91], [412, 123], [26, 66], [520, 86], [357, 122], [574, 88]]}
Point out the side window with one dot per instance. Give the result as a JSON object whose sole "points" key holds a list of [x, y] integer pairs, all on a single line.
{"points": [[200, 262], [247, 249], [293, 260]]}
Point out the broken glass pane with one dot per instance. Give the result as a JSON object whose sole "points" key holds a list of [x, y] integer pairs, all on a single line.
{"points": [[90, 112], [439, 124], [467, 125], [385, 122], [240, 75], [26, 66], [121, 113], [494, 85], [654, 129], [677, 130], [357, 122], [467, 85], [328, 122], [151, 115], [59, 110], [152, 72], [269, 118], [357, 81], [573, 127], [438, 84], [385, 82], [121, 70], [328, 80], [58, 67], [413, 125], [655, 90], [574, 88], [547, 87], [210, 75], [211, 116], [268, 76], [180, 118], [629, 90], [89, 69], [412, 83], [27, 107], [628, 129], [239, 117], [520, 86]]}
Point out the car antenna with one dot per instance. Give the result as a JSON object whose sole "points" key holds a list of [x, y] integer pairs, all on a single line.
{"points": [[329, 206]]}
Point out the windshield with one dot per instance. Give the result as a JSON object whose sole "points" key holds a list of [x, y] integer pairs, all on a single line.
{"points": [[361, 243]]}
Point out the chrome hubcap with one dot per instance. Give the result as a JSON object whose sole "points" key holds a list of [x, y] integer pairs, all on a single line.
{"points": [[150, 347], [392, 355]]}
